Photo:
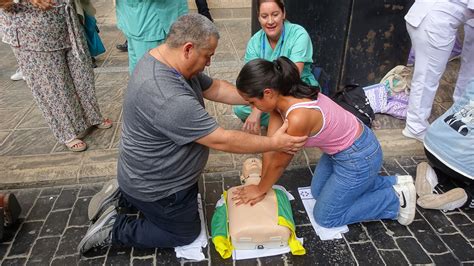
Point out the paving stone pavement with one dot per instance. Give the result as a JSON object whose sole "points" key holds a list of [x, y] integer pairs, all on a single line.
{"points": [[54, 220], [54, 185]]}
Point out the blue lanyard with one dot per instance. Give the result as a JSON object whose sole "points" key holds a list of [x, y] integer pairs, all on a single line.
{"points": [[279, 46]]}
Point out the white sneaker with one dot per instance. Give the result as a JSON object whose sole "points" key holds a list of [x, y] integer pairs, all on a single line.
{"points": [[17, 76], [408, 134], [453, 199], [404, 179], [426, 179], [407, 196]]}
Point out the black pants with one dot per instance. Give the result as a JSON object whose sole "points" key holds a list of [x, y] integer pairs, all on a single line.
{"points": [[203, 9], [445, 173], [169, 222]]}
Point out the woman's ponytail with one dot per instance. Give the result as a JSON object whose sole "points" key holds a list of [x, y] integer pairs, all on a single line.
{"points": [[281, 75]]}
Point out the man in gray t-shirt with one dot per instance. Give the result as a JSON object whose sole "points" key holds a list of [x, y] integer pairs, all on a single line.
{"points": [[163, 116], [166, 136]]}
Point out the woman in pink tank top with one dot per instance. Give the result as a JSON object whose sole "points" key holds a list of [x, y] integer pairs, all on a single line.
{"points": [[346, 183]]}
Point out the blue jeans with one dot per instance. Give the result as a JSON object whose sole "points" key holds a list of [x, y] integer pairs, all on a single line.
{"points": [[169, 222], [348, 188]]}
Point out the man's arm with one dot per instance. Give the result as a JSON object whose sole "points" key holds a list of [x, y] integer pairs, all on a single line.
{"points": [[241, 142], [223, 92]]}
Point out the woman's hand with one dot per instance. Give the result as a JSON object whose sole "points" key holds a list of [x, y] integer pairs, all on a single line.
{"points": [[252, 123], [42, 4], [248, 194]]}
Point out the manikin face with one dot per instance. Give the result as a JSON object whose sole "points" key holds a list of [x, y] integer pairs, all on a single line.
{"points": [[265, 104], [271, 19]]}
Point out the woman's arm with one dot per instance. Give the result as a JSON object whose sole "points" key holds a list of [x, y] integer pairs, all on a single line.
{"points": [[300, 66], [275, 163], [252, 123], [274, 123]]}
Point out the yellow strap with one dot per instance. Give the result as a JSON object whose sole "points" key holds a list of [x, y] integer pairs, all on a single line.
{"points": [[296, 247], [223, 246]]}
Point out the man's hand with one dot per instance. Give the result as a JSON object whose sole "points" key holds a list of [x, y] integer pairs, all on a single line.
{"points": [[252, 123], [42, 4], [248, 194], [286, 143]]}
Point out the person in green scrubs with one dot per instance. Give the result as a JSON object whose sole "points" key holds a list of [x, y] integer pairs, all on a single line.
{"points": [[278, 37], [146, 23]]}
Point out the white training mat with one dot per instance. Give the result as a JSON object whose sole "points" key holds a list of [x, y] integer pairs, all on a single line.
{"points": [[258, 253], [323, 232], [193, 251]]}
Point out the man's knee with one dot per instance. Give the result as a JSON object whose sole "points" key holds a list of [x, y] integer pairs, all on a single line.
{"points": [[190, 238]]}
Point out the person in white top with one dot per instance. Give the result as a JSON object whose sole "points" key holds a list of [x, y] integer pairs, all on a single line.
{"points": [[432, 25]]}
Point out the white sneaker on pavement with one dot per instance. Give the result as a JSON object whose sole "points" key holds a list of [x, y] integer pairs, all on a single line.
{"points": [[407, 196], [404, 179]]}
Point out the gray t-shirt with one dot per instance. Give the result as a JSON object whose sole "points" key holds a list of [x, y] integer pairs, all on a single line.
{"points": [[163, 114]]}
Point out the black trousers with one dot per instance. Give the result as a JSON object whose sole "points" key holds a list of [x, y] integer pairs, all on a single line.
{"points": [[203, 9]]}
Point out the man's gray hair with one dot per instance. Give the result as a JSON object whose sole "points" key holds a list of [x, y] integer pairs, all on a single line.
{"points": [[194, 28]]}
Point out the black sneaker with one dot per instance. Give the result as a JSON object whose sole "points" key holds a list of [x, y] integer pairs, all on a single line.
{"points": [[100, 233], [122, 47]]}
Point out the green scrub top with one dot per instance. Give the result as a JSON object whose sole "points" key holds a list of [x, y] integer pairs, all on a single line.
{"points": [[294, 43], [148, 20]]}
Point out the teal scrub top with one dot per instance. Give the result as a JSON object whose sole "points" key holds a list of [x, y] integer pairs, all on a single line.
{"points": [[294, 43], [148, 20]]}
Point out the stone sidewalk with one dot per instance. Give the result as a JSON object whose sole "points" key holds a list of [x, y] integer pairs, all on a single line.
{"points": [[55, 220]]}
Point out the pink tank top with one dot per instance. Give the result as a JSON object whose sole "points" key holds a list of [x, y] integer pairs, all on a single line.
{"points": [[340, 127]]}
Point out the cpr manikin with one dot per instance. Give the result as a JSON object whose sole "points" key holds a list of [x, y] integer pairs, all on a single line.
{"points": [[267, 224]]}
